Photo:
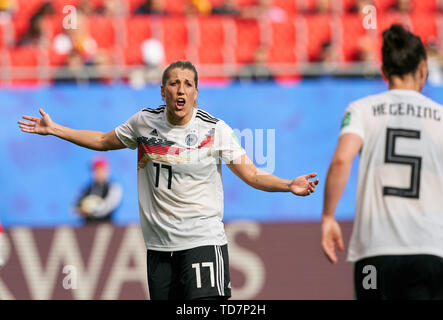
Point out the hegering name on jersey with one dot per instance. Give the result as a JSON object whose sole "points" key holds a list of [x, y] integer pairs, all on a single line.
{"points": [[406, 109], [155, 148]]}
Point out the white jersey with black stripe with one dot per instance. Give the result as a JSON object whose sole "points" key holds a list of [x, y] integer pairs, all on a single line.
{"points": [[399, 205], [180, 187]]}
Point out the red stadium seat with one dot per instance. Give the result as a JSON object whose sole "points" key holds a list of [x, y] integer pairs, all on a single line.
{"points": [[425, 26], [28, 7], [319, 32], [102, 29], [247, 39], [171, 6], [211, 42], [307, 5], [384, 21], [290, 6], [352, 31], [174, 37], [133, 5], [25, 56], [384, 5], [347, 5], [60, 4], [175, 6], [53, 25], [97, 4], [137, 29], [425, 6], [20, 25], [171, 31], [282, 49], [246, 3], [418, 6], [2, 41]]}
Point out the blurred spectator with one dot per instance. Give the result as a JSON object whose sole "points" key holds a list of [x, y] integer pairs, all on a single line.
{"points": [[7, 10], [86, 7], [402, 6], [435, 64], [152, 7], [229, 7], [257, 70], [198, 7], [8, 5], [110, 8], [264, 9], [153, 54], [359, 6], [82, 45], [35, 35], [320, 7], [323, 6], [326, 54], [366, 49], [73, 71], [327, 59], [80, 40], [101, 197]]}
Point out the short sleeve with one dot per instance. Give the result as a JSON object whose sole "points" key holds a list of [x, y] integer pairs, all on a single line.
{"points": [[352, 121], [126, 132], [227, 143]]}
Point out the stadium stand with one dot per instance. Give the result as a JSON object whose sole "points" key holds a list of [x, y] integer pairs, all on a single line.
{"points": [[299, 37]]}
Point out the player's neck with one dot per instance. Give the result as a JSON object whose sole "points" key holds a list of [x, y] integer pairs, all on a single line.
{"points": [[178, 121], [407, 82]]}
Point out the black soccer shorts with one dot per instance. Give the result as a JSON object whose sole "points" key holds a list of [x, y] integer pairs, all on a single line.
{"points": [[402, 277], [197, 273]]}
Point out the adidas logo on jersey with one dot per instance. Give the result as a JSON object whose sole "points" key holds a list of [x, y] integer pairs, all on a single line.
{"points": [[154, 133], [229, 285]]}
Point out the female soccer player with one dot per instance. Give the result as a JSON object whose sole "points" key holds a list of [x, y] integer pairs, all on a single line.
{"points": [[180, 188], [397, 238]]}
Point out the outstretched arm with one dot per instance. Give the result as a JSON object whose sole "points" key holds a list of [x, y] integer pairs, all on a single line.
{"points": [[348, 146], [245, 169], [94, 140]]}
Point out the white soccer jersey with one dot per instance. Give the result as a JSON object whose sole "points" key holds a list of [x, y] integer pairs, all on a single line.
{"points": [[180, 187], [399, 205]]}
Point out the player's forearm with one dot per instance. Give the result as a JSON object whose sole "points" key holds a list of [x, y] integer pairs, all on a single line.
{"points": [[265, 181], [84, 138], [336, 180]]}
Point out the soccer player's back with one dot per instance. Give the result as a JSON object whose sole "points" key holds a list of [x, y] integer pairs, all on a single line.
{"points": [[401, 174], [398, 228]]}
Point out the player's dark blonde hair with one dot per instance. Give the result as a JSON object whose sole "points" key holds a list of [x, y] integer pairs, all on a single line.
{"points": [[402, 51], [181, 64]]}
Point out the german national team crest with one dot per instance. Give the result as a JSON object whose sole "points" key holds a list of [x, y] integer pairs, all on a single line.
{"points": [[191, 139]]}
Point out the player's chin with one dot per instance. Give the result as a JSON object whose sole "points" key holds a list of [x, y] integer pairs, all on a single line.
{"points": [[181, 112]]}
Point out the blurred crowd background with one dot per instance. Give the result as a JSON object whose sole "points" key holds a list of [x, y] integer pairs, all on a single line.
{"points": [[133, 40]]}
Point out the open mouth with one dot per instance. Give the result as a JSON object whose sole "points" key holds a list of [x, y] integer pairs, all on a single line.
{"points": [[181, 102]]}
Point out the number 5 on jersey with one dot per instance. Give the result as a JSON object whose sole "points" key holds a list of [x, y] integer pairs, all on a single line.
{"points": [[415, 162], [157, 173]]}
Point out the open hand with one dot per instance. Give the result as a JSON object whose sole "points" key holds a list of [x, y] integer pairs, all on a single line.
{"points": [[41, 125], [302, 186], [331, 237]]}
